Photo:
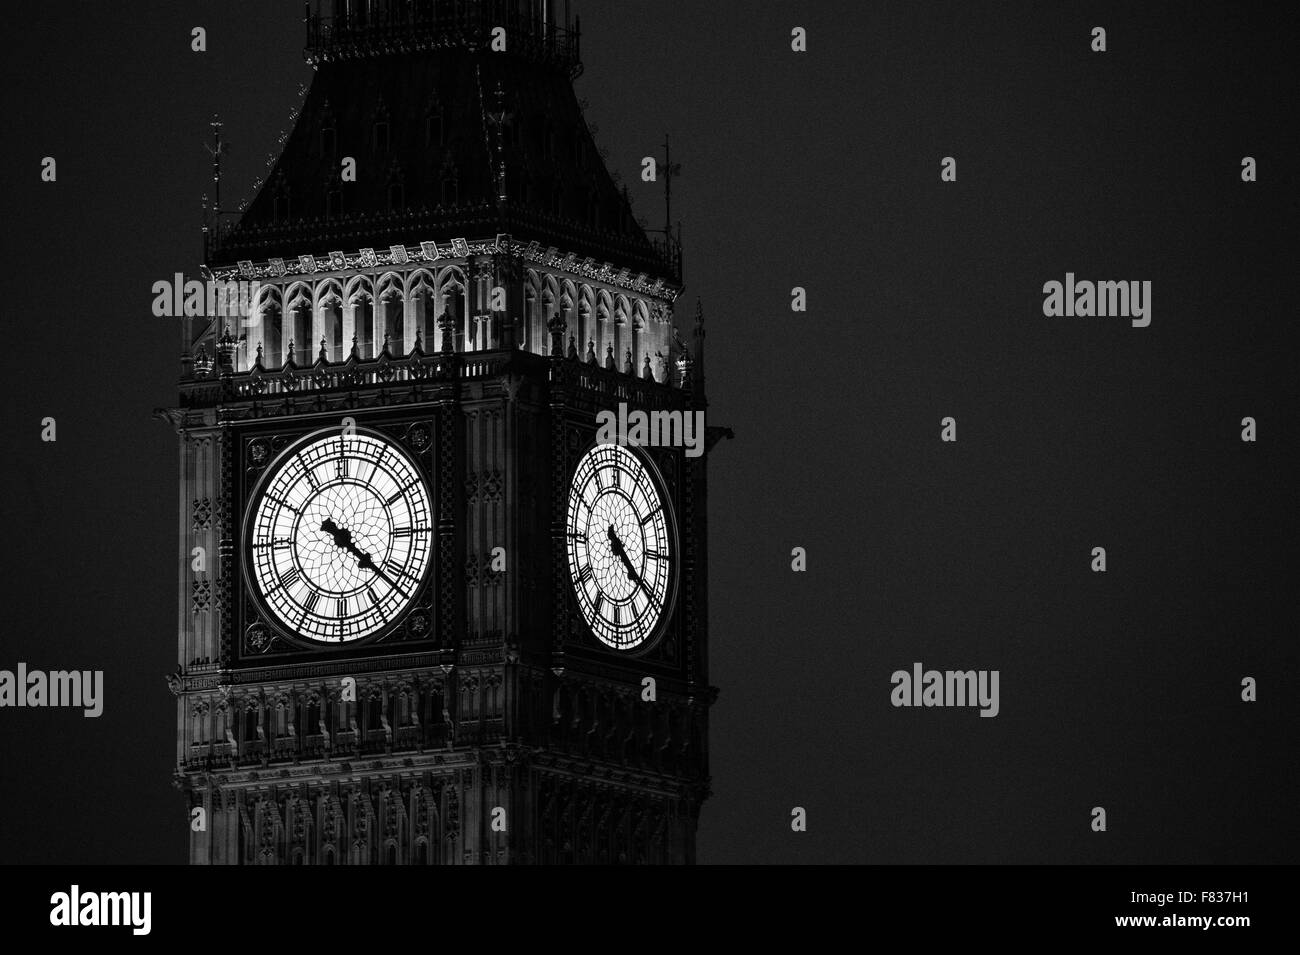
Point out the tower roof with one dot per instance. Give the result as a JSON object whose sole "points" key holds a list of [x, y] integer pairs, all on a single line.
{"points": [[449, 138]]}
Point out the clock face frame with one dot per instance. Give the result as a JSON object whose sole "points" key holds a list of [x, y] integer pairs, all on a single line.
{"points": [[339, 537], [622, 551]]}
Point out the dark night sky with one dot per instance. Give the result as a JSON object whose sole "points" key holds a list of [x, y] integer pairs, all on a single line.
{"points": [[819, 170]]}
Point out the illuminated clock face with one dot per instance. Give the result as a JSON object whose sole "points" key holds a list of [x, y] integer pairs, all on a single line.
{"points": [[619, 546], [339, 536]]}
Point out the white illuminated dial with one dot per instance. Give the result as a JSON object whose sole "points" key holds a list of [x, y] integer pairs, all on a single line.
{"points": [[339, 536], [619, 546]]}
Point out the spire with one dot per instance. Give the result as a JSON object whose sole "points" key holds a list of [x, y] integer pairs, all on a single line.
{"points": [[668, 171], [498, 118], [557, 326], [447, 325], [699, 343]]}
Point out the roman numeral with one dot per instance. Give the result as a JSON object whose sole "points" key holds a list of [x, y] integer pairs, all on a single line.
{"points": [[282, 503], [289, 579], [309, 605], [401, 491], [342, 467], [342, 607], [655, 555], [374, 597], [278, 543], [584, 573], [600, 599], [618, 482], [618, 615], [408, 531], [649, 517]]}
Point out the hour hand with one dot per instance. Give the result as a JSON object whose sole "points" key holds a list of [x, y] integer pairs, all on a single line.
{"points": [[342, 536]]}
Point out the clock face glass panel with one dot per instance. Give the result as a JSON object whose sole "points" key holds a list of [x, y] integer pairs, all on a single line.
{"points": [[340, 536], [619, 546]]}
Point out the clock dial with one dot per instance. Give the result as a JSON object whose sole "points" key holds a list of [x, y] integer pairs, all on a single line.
{"points": [[619, 546], [339, 536]]}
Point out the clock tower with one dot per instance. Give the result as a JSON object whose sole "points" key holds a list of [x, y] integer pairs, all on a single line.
{"points": [[427, 614]]}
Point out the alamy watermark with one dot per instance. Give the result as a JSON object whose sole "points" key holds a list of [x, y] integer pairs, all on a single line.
{"points": [[178, 297], [71, 688], [78, 908], [654, 429], [946, 688], [1085, 299]]}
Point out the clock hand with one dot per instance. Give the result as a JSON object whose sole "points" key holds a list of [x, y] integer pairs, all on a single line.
{"points": [[617, 546], [366, 563], [343, 538]]}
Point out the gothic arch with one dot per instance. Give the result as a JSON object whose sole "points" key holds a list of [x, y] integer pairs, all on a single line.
{"points": [[328, 307], [390, 313], [267, 314]]}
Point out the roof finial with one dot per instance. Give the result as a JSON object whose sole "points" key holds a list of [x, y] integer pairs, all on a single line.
{"points": [[216, 151]]}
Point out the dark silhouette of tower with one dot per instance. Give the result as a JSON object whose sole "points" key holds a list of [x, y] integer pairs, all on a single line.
{"points": [[425, 617]]}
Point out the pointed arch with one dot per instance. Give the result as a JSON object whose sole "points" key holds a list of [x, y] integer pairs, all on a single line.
{"points": [[420, 285], [642, 338], [587, 316], [450, 297], [328, 319], [265, 324], [390, 313], [359, 316], [533, 339]]}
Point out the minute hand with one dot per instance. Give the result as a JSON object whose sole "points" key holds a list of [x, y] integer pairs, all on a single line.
{"points": [[620, 552]]}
